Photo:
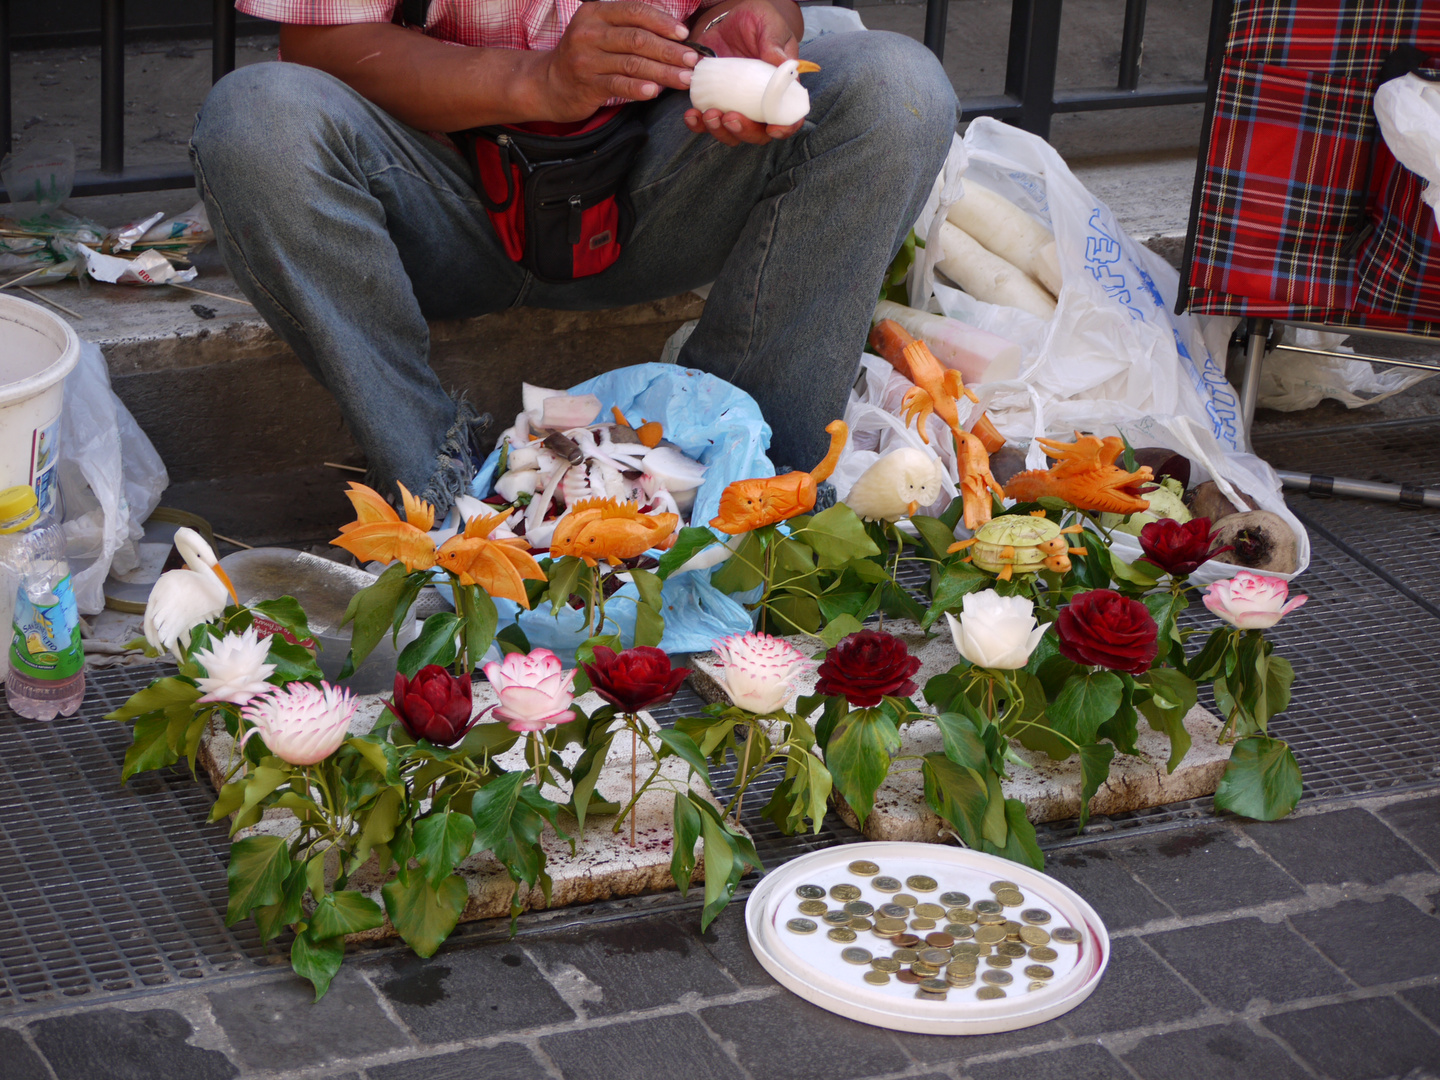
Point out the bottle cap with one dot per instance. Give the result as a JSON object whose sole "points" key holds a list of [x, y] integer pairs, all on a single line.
{"points": [[19, 509]]}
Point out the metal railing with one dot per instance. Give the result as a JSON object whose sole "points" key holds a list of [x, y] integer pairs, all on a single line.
{"points": [[1029, 101]]}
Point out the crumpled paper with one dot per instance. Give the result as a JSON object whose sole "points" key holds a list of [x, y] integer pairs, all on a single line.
{"points": [[147, 268]]}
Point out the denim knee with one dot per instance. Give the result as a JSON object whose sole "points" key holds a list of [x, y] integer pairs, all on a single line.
{"points": [[893, 82]]}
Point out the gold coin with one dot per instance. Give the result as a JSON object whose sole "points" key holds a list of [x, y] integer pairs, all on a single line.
{"points": [[987, 907], [1003, 886], [885, 884], [935, 956], [1012, 949], [998, 961], [908, 977], [801, 926], [845, 891], [959, 930], [1033, 935], [924, 970], [905, 956], [894, 911], [964, 948], [991, 918], [905, 941], [930, 911], [860, 925], [842, 934], [1066, 935], [1012, 930], [904, 898], [1035, 916], [889, 926], [928, 995], [1040, 971], [921, 883], [939, 940], [813, 907], [922, 924], [954, 899], [835, 917], [855, 955], [966, 966], [989, 993], [1037, 986], [863, 868], [997, 978], [935, 986], [990, 935], [962, 915], [960, 982], [876, 978], [859, 907], [1010, 898], [1044, 954], [810, 892], [885, 963]]}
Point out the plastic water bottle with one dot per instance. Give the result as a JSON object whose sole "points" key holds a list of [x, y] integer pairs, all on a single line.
{"points": [[47, 660]]}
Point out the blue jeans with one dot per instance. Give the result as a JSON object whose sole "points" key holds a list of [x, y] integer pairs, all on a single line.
{"points": [[348, 230]]}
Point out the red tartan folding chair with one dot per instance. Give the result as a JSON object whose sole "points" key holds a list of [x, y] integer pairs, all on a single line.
{"points": [[1300, 211]]}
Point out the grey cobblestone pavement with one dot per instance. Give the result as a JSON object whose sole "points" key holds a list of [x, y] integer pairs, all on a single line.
{"points": [[1308, 948]]}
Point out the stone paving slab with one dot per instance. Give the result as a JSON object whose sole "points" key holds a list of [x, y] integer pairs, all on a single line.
{"points": [[1049, 789]]}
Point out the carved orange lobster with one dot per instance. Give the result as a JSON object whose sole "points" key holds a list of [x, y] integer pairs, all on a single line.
{"points": [[1085, 475], [746, 505], [606, 529]]}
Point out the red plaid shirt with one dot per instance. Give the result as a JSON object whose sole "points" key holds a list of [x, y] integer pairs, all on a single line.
{"points": [[497, 24]]}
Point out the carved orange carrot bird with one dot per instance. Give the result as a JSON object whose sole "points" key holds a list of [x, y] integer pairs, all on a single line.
{"points": [[1085, 475], [499, 566], [746, 505], [378, 535], [606, 529]]}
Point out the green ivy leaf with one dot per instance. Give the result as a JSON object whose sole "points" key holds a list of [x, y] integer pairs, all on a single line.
{"points": [[149, 746], [958, 795], [272, 918], [287, 612], [1138, 574], [424, 916], [858, 757], [293, 663], [684, 747], [791, 613], [441, 840], [435, 645], [687, 833], [1094, 770], [564, 577], [159, 695], [345, 912], [993, 829], [372, 610], [586, 774], [1086, 700], [378, 824], [962, 741], [838, 628], [649, 624], [690, 542], [317, 959], [720, 870], [258, 868], [512, 639], [837, 535], [741, 572], [950, 587], [936, 535], [1092, 570], [1020, 845], [1261, 781], [1122, 730], [481, 618]]}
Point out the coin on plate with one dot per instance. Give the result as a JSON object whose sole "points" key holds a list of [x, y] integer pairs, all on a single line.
{"points": [[990, 935], [835, 917], [930, 911], [905, 956], [907, 977], [1012, 949], [992, 918], [1033, 935], [960, 982], [922, 883], [922, 925], [954, 899], [889, 926], [987, 907], [886, 884], [1037, 985], [1035, 916], [810, 892], [863, 868], [813, 907], [801, 926], [1039, 971], [962, 915], [859, 907], [1010, 897], [860, 924], [1012, 930], [894, 911], [842, 934], [935, 956], [885, 963], [876, 978], [940, 940], [1044, 954], [998, 961], [935, 986], [997, 978], [965, 966], [965, 948], [924, 970], [905, 898], [1066, 935], [905, 941], [1001, 886], [844, 891], [855, 955], [959, 930], [989, 993]]}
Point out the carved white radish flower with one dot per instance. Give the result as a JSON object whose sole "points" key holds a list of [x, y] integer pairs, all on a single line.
{"points": [[302, 724], [235, 667], [760, 671], [994, 631]]}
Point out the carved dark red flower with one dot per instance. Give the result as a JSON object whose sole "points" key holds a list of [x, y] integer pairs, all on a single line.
{"points": [[1101, 628], [1179, 549], [638, 678], [434, 705], [867, 666]]}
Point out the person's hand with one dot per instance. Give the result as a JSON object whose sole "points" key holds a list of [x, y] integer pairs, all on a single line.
{"points": [[622, 48], [756, 29]]}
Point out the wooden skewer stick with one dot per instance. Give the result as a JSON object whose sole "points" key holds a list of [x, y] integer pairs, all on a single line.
{"points": [[24, 277], [232, 543], [204, 292], [344, 468], [53, 303]]}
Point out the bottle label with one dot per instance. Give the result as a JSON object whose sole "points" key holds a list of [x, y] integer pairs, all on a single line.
{"points": [[47, 643]]}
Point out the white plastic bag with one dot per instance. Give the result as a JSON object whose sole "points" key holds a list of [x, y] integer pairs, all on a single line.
{"points": [[1408, 109], [111, 479], [1291, 381]]}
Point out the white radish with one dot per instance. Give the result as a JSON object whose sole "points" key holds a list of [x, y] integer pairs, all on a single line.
{"points": [[535, 512], [533, 398], [523, 457], [988, 277], [1003, 228], [563, 411], [967, 349], [514, 484], [668, 468]]}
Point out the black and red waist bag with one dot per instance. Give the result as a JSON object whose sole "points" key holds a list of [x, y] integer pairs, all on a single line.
{"points": [[556, 193]]}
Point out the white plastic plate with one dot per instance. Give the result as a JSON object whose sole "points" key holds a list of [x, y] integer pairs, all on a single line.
{"points": [[811, 966]]}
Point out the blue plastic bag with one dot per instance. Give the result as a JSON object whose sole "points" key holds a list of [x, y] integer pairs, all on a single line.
{"points": [[711, 421]]}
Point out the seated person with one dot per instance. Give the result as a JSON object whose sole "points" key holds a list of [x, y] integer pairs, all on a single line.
{"points": [[349, 219]]}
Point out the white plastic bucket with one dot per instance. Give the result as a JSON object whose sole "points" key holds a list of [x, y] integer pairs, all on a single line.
{"points": [[37, 351]]}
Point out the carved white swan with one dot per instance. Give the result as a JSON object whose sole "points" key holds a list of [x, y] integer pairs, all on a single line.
{"points": [[762, 92]]}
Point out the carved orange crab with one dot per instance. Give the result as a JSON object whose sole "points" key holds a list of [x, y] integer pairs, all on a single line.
{"points": [[597, 529], [500, 567], [1016, 544], [746, 505], [1085, 475]]}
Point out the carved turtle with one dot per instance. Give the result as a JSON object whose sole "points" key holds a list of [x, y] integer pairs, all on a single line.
{"points": [[1020, 544]]}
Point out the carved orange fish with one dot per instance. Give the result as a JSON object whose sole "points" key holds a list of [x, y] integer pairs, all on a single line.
{"points": [[597, 529], [500, 567], [378, 535], [1085, 475], [746, 505]]}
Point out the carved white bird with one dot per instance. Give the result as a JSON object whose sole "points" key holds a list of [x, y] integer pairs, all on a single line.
{"points": [[762, 92], [896, 485], [183, 599]]}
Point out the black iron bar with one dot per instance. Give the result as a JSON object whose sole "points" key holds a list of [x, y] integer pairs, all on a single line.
{"points": [[4, 77], [112, 86], [1069, 101], [1132, 44], [1030, 65], [222, 40], [937, 15]]}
